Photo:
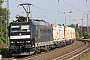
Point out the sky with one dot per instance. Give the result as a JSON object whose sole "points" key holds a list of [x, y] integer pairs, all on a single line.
{"points": [[52, 11]]}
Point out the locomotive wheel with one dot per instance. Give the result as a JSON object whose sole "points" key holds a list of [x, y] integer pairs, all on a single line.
{"points": [[47, 48], [37, 50], [53, 46]]}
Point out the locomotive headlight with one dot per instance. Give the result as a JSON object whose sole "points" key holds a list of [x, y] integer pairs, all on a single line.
{"points": [[17, 41], [28, 41], [12, 42]]}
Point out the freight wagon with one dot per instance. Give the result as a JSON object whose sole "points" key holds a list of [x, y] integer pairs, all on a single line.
{"points": [[63, 35]]}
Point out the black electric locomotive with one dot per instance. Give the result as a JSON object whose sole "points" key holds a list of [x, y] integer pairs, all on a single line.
{"points": [[25, 37]]}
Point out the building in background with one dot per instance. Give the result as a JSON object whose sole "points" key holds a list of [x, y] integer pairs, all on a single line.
{"points": [[84, 29]]}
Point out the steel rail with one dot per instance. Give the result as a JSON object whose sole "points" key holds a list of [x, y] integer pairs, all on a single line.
{"points": [[71, 53], [71, 58], [37, 55]]}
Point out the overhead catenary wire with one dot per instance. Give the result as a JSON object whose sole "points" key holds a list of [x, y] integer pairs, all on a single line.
{"points": [[58, 1], [52, 12], [41, 9], [56, 13], [86, 5], [85, 2], [46, 11], [73, 7], [19, 1]]}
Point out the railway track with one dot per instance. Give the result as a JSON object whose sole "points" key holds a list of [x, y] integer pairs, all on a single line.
{"points": [[80, 52], [73, 54], [62, 53]]}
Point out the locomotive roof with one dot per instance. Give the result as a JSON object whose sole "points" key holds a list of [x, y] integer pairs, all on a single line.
{"points": [[23, 19], [34, 21], [17, 23], [40, 22]]}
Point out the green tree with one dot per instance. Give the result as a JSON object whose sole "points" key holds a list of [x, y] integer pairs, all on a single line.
{"points": [[72, 25], [59, 24], [78, 31], [2, 24], [86, 35]]}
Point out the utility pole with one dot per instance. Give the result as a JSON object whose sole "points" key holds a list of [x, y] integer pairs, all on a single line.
{"points": [[1, 27], [87, 21], [87, 25], [55, 22], [82, 25], [65, 16], [7, 20], [7, 12], [65, 20]]}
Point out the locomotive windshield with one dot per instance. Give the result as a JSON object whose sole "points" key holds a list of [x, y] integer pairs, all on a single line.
{"points": [[15, 28], [20, 28], [25, 28]]}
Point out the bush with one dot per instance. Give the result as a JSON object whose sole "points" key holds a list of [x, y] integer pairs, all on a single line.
{"points": [[86, 35], [78, 36], [2, 43], [4, 52]]}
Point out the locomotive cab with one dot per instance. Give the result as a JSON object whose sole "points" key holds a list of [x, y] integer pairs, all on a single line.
{"points": [[26, 37], [20, 37]]}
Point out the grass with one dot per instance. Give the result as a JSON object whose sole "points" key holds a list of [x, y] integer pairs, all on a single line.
{"points": [[85, 56], [4, 52]]}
